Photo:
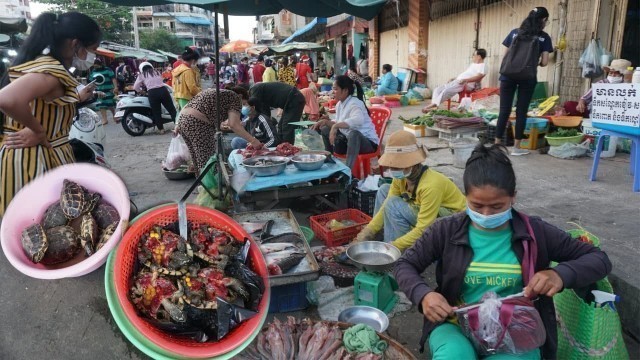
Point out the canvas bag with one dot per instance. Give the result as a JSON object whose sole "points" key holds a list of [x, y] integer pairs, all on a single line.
{"points": [[517, 327], [522, 58]]}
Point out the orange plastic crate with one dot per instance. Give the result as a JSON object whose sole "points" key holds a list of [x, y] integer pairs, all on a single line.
{"points": [[483, 93], [341, 236]]}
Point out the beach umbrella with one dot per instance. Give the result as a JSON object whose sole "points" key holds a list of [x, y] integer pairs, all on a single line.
{"points": [[237, 46]]}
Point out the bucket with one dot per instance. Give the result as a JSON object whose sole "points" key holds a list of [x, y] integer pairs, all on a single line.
{"points": [[461, 149], [610, 142]]}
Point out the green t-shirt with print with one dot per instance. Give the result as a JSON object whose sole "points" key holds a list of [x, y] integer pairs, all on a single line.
{"points": [[494, 266]]}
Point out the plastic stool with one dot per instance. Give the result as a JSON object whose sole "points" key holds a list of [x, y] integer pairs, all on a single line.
{"points": [[634, 164]]}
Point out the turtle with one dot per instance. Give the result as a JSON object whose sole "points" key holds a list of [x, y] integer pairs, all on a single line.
{"points": [[93, 199], [105, 214], [105, 235], [208, 284], [54, 216], [88, 233], [157, 296], [34, 242], [165, 251], [63, 245], [72, 199]]}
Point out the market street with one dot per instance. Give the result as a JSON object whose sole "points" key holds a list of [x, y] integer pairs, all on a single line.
{"points": [[70, 319]]}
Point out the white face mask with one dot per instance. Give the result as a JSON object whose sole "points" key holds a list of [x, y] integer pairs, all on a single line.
{"points": [[84, 64], [614, 79]]}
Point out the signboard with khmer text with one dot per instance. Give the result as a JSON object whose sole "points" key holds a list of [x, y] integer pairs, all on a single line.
{"points": [[616, 107]]}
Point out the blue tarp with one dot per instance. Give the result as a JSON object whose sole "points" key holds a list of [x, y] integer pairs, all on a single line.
{"points": [[290, 176], [191, 20], [306, 28]]}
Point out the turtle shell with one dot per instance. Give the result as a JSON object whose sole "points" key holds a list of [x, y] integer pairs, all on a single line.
{"points": [[72, 199], [105, 214], [105, 235], [88, 233], [54, 216], [34, 242], [93, 199], [63, 245]]}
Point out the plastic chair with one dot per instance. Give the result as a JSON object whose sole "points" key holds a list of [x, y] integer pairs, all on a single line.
{"points": [[634, 163], [380, 116]]}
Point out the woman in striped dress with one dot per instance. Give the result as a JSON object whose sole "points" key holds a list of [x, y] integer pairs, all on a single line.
{"points": [[40, 100]]}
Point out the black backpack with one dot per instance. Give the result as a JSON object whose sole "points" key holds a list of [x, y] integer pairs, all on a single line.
{"points": [[522, 58]]}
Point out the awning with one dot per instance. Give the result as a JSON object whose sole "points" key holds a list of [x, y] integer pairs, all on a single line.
{"points": [[107, 53], [168, 54], [305, 28], [192, 20]]}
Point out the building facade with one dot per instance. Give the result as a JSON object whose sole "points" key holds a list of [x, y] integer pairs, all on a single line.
{"points": [[15, 9], [273, 29], [191, 24]]}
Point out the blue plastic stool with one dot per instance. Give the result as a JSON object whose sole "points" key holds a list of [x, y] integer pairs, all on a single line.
{"points": [[634, 163]]}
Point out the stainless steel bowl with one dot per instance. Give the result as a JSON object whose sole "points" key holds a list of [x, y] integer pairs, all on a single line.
{"points": [[374, 256], [366, 315], [278, 166], [177, 175], [308, 162]]}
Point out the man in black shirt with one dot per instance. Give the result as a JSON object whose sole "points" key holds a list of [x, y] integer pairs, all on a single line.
{"points": [[283, 96]]}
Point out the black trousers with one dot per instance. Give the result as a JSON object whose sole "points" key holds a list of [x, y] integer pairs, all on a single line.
{"points": [[291, 112], [157, 98], [508, 89]]}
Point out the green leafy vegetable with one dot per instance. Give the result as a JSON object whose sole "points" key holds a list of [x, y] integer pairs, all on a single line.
{"points": [[565, 133]]}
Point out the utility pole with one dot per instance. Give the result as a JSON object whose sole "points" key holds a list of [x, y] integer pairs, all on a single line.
{"points": [[136, 35]]}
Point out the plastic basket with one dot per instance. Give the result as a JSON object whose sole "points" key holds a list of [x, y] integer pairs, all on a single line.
{"points": [[364, 201], [285, 298], [340, 236], [125, 258], [308, 234], [541, 124]]}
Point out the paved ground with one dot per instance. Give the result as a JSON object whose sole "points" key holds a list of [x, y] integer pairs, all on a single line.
{"points": [[69, 318]]}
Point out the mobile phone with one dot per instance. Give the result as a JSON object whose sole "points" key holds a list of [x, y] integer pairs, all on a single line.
{"points": [[91, 83]]}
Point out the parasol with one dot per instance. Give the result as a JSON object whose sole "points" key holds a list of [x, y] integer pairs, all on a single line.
{"points": [[237, 46]]}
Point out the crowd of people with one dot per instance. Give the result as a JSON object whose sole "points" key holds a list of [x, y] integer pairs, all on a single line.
{"points": [[475, 235]]}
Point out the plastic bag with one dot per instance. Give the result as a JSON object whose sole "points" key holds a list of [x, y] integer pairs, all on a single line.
{"points": [[178, 154], [591, 60], [485, 326], [312, 139], [491, 104], [413, 94], [465, 103], [318, 287], [570, 151]]}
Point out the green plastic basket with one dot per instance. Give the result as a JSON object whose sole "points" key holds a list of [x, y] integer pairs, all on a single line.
{"points": [[308, 233], [584, 330], [558, 141], [134, 336]]}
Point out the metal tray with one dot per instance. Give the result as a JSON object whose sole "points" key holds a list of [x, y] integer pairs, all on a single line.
{"points": [[285, 222]]}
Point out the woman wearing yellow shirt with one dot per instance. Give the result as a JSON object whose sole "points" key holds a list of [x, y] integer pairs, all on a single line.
{"points": [[416, 197], [269, 74]]}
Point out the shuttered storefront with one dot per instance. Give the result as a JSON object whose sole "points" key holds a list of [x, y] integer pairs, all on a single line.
{"points": [[394, 48]]}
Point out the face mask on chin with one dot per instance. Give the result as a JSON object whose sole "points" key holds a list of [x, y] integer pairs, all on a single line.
{"points": [[84, 64]]}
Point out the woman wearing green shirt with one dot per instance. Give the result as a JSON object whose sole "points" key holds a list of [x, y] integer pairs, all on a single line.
{"points": [[416, 197]]}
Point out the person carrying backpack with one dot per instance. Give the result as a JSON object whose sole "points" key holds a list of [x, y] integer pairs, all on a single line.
{"points": [[526, 48]]}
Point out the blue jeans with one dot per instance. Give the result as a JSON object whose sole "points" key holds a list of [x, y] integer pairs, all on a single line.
{"points": [[400, 217], [238, 143]]}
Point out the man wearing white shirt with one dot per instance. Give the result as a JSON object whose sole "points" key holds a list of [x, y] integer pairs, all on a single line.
{"points": [[352, 132], [469, 79]]}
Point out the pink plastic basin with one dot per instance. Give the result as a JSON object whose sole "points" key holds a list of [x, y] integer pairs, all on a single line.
{"points": [[30, 203]]}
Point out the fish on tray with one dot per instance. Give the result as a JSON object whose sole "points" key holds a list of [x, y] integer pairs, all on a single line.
{"points": [[276, 247], [280, 266]]}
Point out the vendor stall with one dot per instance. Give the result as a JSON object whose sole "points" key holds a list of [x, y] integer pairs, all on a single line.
{"points": [[331, 178]]}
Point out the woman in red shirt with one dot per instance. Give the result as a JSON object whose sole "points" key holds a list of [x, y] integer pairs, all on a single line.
{"points": [[303, 73]]}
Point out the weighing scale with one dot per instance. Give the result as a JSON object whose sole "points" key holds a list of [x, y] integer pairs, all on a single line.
{"points": [[374, 286]]}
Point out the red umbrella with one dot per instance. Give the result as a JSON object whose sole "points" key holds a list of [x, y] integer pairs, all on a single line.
{"points": [[237, 46]]}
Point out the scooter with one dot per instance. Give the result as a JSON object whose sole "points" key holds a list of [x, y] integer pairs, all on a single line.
{"points": [[134, 113], [87, 138]]}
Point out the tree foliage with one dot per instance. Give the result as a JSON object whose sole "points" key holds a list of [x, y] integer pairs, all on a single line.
{"points": [[115, 21], [160, 39]]}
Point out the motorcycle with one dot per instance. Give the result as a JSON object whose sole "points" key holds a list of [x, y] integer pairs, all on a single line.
{"points": [[134, 113], [87, 138]]}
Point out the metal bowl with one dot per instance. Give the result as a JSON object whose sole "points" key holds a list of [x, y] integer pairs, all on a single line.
{"points": [[366, 315], [308, 162], [177, 175], [374, 256], [278, 166]]}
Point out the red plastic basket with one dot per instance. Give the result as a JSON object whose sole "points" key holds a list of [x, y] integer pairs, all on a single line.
{"points": [[341, 236], [123, 271]]}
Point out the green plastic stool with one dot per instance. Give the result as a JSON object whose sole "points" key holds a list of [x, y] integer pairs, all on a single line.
{"points": [[375, 290]]}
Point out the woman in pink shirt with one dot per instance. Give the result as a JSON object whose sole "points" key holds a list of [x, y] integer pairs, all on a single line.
{"points": [[157, 92], [311, 106]]}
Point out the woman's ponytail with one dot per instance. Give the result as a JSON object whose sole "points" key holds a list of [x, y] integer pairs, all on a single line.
{"points": [[360, 95]]}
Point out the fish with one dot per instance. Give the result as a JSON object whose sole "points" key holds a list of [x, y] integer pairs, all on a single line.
{"points": [[273, 257], [305, 336], [292, 238], [262, 347], [252, 227], [276, 247], [281, 266], [333, 343], [320, 332], [276, 342]]}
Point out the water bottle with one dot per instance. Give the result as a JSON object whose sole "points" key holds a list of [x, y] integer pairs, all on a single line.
{"points": [[636, 76]]}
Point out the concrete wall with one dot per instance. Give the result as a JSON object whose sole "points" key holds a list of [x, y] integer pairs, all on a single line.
{"points": [[394, 48]]}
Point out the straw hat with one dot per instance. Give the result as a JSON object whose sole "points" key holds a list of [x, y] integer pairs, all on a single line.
{"points": [[619, 65], [402, 151]]}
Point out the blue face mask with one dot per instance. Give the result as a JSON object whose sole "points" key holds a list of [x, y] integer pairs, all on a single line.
{"points": [[245, 110], [398, 174], [489, 221]]}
